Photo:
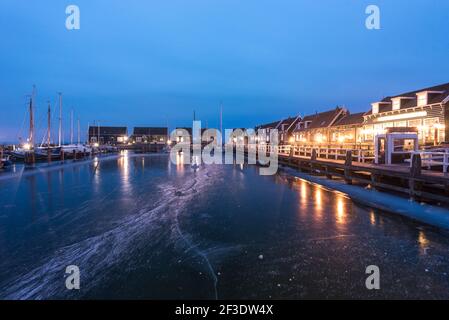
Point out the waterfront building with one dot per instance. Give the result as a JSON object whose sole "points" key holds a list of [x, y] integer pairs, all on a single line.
{"points": [[347, 130], [158, 135], [183, 134], [425, 111], [239, 136], [285, 128], [316, 129], [265, 130], [108, 135]]}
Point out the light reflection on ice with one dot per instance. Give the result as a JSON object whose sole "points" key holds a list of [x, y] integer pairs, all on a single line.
{"points": [[341, 214]]}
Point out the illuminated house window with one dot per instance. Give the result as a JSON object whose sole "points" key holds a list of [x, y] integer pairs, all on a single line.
{"points": [[422, 99], [375, 108], [400, 124], [415, 123], [396, 104]]}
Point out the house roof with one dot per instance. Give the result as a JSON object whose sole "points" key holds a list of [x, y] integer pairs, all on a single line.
{"points": [[322, 119], [351, 119], [289, 123], [437, 94], [93, 130], [150, 131], [271, 125], [278, 124]]}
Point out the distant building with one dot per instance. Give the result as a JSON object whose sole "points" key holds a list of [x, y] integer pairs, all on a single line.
{"points": [[157, 135], [183, 134], [348, 129], [265, 130], [316, 128], [238, 136], [424, 110], [108, 135], [286, 128]]}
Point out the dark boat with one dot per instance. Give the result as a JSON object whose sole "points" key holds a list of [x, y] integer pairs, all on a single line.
{"points": [[5, 162]]}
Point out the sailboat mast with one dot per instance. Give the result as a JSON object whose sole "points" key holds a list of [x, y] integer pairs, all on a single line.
{"points": [[221, 122], [71, 126], [79, 133], [31, 137], [60, 120], [48, 124]]}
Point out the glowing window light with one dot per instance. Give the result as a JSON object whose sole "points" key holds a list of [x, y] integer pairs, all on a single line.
{"points": [[319, 138], [402, 116]]}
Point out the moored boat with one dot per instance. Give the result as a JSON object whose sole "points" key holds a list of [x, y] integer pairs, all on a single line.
{"points": [[4, 160]]}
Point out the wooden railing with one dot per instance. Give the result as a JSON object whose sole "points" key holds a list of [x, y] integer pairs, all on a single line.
{"points": [[431, 159], [334, 153]]}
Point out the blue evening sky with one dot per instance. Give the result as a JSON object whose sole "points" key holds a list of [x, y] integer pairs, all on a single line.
{"points": [[146, 63]]}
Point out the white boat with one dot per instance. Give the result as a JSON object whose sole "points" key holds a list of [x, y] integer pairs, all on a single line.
{"points": [[78, 148]]}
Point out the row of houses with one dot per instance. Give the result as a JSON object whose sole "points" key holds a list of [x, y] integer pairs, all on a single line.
{"points": [[106, 135], [119, 135], [424, 111]]}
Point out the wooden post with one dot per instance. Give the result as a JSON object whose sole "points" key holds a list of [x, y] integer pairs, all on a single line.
{"points": [[74, 154], [328, 173], [415, 172], [312, 160], [1, 157], [348, 165], [290, 158], [374, 179], [62, 154], [49, 154]]}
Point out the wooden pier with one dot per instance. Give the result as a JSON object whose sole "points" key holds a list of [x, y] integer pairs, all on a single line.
{"points": [[356, 167]]}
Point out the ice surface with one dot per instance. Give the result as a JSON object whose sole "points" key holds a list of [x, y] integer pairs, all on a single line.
{"points": [[432, 215], [97, 254]]}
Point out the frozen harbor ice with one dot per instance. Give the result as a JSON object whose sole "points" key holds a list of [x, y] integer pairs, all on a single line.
{"points": [[140, 227]]}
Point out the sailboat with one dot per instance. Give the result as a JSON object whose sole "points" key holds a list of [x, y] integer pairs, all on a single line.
{"points": [[75, 147], [48, 151], [28, 147]]}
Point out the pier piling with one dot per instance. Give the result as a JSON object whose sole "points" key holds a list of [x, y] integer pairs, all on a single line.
{"points": [[348, 165], [312, 161], [415, 172]]}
